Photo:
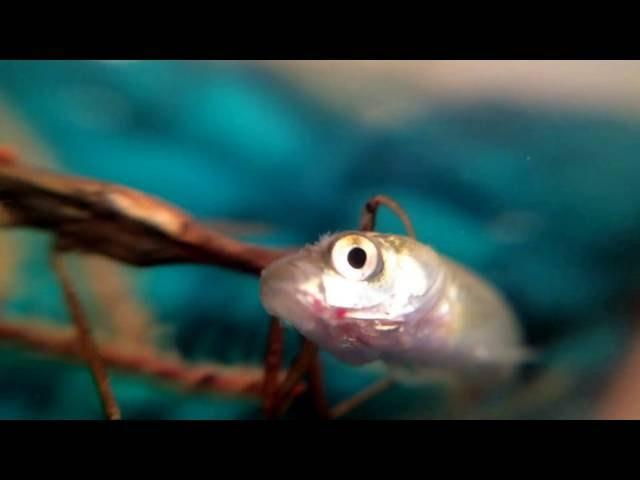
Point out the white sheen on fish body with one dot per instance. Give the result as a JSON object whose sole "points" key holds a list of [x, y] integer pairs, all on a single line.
{"points": [[368, 297]]}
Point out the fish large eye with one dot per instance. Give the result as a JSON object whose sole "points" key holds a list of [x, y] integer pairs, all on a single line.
{"points": [[355, 257]]}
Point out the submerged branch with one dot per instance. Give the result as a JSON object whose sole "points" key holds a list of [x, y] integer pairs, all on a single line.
{"points": [[207, 377], [94, 217], [85, 339], [107, 219]]}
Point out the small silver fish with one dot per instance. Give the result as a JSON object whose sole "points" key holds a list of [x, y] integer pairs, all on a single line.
{"points": [[370, 297]]}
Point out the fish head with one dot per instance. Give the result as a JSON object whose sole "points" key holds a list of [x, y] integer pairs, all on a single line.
{"points": [[352, 290]]}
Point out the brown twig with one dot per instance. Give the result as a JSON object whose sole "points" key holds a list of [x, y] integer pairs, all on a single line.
{"points": [[210, 377], [297, 371], [272, 364], [119, 311], [111, 220], [87, 344], [368, 221], [121, 223], [316, 388], [359, 398]]}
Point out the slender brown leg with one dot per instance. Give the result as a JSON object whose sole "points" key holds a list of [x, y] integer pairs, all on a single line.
{"points": [[316, 387], [361, 397], [272, 364], [300, 366], [87, 344], [368, 220]]}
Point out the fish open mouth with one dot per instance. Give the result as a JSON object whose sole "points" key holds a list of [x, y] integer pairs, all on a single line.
{"points": [[292, 290]]}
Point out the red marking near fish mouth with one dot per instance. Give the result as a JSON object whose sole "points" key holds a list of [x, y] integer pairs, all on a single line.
{"points": [[340, 312], [345, 329], [320, 309]]}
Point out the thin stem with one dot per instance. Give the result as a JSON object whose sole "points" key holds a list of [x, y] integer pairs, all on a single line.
{"points": [[300, 366], [87, 344], [272, 364], [315, 377], [56, 341], [361, 397], [368, 220]]}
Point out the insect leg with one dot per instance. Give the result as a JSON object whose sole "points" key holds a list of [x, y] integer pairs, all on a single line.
{"points": [[272, 364], [361, 397], [87, 344], [317, 388], [368, 219], [297, 371]]}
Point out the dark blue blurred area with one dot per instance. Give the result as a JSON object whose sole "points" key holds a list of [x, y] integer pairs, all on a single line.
{"points": [[542, 202]]}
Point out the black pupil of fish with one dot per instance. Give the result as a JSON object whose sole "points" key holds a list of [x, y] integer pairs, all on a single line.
{"points": [[357, 257]]}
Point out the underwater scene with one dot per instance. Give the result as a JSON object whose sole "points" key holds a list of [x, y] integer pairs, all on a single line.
{"points": [[524, 174]]}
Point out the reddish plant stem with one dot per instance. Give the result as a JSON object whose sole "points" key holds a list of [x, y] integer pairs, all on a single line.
{"points": [[87, 344], [272, 364], [361, 397], [209, 377], [368, 220], [316, 388], [300, 366]]}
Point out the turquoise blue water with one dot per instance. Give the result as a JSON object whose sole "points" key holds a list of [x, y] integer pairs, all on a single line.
{"points": [[542, 202]]}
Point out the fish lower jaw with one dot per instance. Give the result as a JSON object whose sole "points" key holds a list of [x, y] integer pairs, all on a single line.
{"points": [[317, 307], [334, 316]]}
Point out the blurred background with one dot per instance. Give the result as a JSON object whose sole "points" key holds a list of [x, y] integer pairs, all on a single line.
{"points": [[527, 171]]}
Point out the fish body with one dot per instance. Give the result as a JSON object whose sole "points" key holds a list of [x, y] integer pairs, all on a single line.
{"points": [[369, 297]]}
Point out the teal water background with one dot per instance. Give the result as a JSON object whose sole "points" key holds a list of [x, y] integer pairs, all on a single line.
{"points": [[543, 202]]}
